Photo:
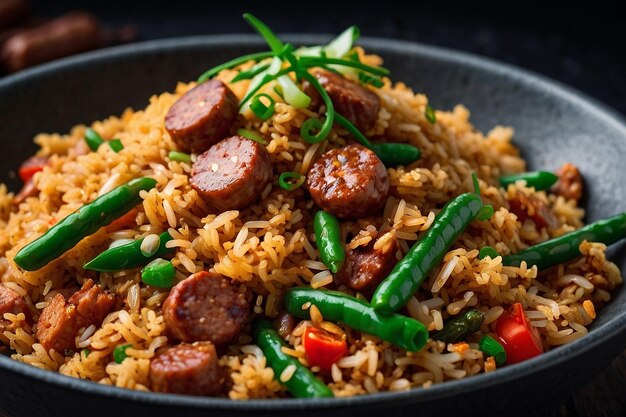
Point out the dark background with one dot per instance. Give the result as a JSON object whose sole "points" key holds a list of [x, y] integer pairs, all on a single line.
{"points": [[579, 45]]}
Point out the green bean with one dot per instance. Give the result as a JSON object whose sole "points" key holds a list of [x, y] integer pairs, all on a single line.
{"points": [[159, 273], [179, 157], [540, 180], [404, 332], [83, 222], [328, 237], [565, 248], [93, 139], [458, 328], [391, 154], [491, 347], [409, 274], [302, 384], [127, 256], [116, 145]]}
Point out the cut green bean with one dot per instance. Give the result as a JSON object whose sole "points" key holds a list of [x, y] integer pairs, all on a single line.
{"points": [[302, 383], [328, 238], [539, 180], [402, 331], [83, 222], [409, 274], [460, 327], [116, 145], [127, 256], [179, 157], [566, 247], [93, 139], [488, 251], [159, 273]]}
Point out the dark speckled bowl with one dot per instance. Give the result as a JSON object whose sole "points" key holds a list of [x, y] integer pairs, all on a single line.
{"points": [[554, 124]]}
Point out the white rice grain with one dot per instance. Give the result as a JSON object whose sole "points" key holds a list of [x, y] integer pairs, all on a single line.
{"points": [[321, 279], [109, 184], [287, 373], [444, 274], [150, 245], [492, 314], [576, 279], [169, 213]]}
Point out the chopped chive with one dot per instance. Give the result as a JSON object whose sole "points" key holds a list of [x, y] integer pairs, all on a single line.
{"points": [[491, 347], [286, 183], [323, 129], [309, 62], [159, 273], [486, 212], [278, 90], [93, 139], [251, 73], [119, 353], [352, 129], [86, 352], [116, 145], [260, 109], [488, 251], [179, 157], [370, 79], [207, 75], [252, 136], [475, 182], [430, 114]]}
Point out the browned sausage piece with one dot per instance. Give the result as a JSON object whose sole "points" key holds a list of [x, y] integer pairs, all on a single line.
{"points": [[285, 323], [11, 302], [350, 99], [366, 267], [12, 10], [530, 207], [202, 116], [191, 369], [232, 174], [61, 319], [29, 189], [206, 306], [69, 34], [350, 182], [570, 183]]}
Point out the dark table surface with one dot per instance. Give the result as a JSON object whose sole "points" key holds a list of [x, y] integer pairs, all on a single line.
{"points": [[581, 46]]}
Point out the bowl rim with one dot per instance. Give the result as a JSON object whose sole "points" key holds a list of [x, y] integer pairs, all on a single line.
{"points": [[597, 336]]}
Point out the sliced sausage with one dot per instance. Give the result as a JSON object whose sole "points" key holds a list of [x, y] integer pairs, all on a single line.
{"points": [[285, 323], [11, 302], [232, 174], [350, 182], [206, 306], [350, 99], [28, 190], [570, 183], [202, 116], [530, 207], [365, 267], [61, 319], [191, 369]]}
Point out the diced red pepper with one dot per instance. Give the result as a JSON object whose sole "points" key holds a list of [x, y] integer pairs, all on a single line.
{"points": [[323, 348], [520, 339], [31, 166]]}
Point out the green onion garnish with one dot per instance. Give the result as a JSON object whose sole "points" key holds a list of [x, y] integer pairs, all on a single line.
{"points": [[323, 129], [116, 145], [119, 353], [488, 251], [270, 37], [252, 136], [491, 347], [290, 180], [486, 212], [233, 63], [310, 61], [86, 352], [179, 157], [93, 139], [372, 80], [430, 114], [251, 73], [260, 109]]}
